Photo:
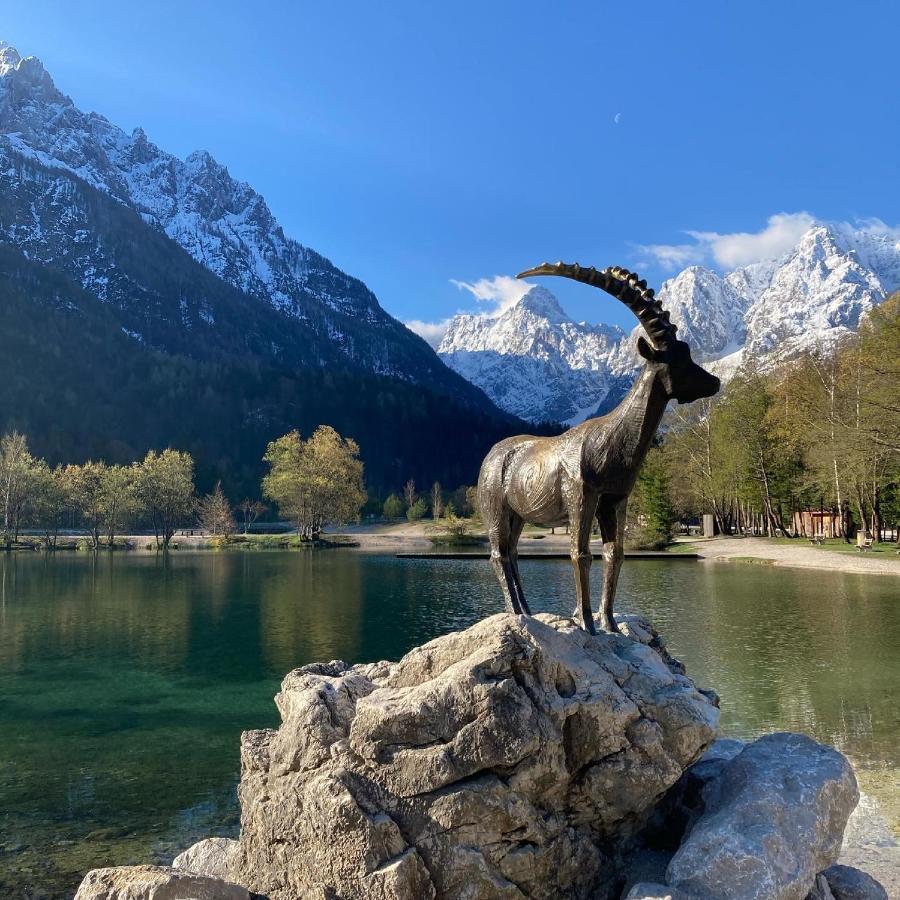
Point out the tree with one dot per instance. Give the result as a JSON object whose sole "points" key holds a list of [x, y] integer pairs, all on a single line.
{"points": [[417, 510], [437, 501], [165, 487], [393, 507], [16, 481], [51, 501], [118, 499], [409, 493], [650, 512], [456, 528], [86, 486], [214, 513], [317, 481], [250, 511], [461, 500], [472, 501]]}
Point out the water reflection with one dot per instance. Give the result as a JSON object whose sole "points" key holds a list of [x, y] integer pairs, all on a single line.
{"points": [[126, 680]]}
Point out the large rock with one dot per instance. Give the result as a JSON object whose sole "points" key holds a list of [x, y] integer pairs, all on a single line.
{"points": [[509, 760], [848, 883], [772, 819], [155, 883], [216, 857]]}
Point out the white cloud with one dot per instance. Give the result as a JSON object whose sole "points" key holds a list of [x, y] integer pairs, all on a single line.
{"points": [[501, 291], [674, 256], [433, 332], [876, 226], [739, 248]]}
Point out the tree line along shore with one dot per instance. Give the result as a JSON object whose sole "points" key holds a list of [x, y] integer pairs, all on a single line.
{"points": [[811, 449]]}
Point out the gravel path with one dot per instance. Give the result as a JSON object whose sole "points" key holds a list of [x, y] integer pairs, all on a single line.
{"points": [[799, 555]]}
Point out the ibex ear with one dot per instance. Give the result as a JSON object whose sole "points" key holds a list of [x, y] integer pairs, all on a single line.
{"points": [[648, 352]]}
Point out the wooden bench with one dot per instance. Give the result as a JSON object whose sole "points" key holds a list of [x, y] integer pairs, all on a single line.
{"points": [[817, 540], [865, 545]]}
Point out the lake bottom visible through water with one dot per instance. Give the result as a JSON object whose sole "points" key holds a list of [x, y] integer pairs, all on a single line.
{"points": [[126, 679]]}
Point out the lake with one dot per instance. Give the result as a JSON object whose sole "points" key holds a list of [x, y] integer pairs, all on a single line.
{"points": [[126, 679]]}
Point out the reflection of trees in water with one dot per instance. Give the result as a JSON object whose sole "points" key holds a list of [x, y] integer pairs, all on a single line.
{"points": [[312, 608], [787, 649], [117, 664], [60, 606]]}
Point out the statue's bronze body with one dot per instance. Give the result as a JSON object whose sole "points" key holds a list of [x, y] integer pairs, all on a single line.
{"points": [[588, 471]]}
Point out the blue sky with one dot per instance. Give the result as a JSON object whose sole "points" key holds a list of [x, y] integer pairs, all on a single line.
{"points": [[421, 145]]}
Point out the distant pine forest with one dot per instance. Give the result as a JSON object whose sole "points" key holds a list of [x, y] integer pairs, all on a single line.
{"points": [[81, 388]]}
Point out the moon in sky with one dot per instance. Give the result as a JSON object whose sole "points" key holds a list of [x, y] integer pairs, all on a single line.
{"points": [[617, 118]]}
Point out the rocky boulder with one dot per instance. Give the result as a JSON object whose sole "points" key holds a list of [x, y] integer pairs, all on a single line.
{"points": [[771, 821], [849, 883], [216, 857], [509, 760], [155, 883]]}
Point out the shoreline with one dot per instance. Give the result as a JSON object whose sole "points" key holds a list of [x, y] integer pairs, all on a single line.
{"points": [[416, 539]]}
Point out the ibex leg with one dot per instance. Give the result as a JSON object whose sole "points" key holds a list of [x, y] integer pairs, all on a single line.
{"points": [[612, 531], [515, 531], [500, 560], [581, 518]]}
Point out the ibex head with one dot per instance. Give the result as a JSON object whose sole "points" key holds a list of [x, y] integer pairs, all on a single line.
{"points": [[681, 377]]}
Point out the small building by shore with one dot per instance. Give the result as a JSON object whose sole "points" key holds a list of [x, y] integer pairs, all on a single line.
{"points": [[822, 523]]}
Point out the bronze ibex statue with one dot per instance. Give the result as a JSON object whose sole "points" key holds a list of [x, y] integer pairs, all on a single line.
{"points": [[589, 470]]}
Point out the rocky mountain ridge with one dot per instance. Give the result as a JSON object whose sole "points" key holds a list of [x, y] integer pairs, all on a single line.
{"points": [[148, 301], [222, 223], [561, 369], [544, 366]]}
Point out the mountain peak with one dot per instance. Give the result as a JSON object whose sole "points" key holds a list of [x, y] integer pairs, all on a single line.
{"points": [[9, 58], [542, 303], [25, 78]]}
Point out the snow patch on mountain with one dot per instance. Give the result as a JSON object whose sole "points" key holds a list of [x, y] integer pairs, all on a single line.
{"points": [[534, 361], [223, 223], [228, 228]]}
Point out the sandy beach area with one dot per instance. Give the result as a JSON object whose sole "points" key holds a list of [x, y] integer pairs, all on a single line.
{"points": [[797, 553]]}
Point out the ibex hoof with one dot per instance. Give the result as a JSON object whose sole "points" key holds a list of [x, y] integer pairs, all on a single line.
{"points": [[609, 625]]}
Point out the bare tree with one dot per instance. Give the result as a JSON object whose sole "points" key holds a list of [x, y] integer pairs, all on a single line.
{"points": [[250, 511], [409, 493], [214, 513], [437, 501]]}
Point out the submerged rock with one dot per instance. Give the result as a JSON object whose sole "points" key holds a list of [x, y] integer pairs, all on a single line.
{"points": [[504, 761], [772, 819], [155, 883]]}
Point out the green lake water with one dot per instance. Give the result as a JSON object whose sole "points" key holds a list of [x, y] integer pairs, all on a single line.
{"points": [[125, 680]]}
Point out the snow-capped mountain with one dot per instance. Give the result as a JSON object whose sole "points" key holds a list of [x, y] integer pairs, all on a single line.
{"points": [[222, 223], [532, 358], [148, 301], [560, 371]]}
